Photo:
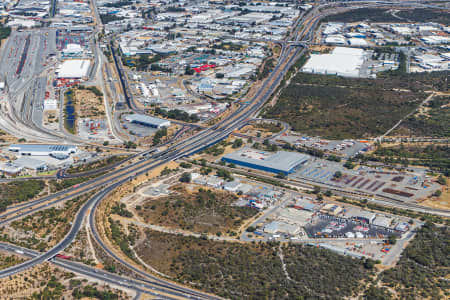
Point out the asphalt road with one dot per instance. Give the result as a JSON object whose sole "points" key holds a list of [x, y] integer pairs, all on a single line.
{"points": [[144, 287], [203, 139]]}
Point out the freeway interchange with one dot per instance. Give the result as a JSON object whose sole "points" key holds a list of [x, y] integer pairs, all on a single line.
{"points": [[108, 182], [119, 174]]}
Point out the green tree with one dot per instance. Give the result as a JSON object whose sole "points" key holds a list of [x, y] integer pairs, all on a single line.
{"points": [[442, 180], [237, 143], [392, 239], [186, 177]]}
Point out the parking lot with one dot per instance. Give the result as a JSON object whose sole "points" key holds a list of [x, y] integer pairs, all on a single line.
{"points": [[346, 148], [401, 185]]}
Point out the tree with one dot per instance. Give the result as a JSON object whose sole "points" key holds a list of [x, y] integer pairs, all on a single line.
{"points": [[338, 174], [369, 264], [186, 177], [237, 143], [250, 229], [185, 165], [392, 239], [442, 180], [349, 165], [281, 175], [188, 71], [316, 189]]}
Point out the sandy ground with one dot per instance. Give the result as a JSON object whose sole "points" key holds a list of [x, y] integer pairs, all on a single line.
{"points": [[442, 202], [88, 105], [253, 131]]}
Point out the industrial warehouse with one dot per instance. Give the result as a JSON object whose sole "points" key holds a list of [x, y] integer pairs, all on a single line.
{"points": [[279, 162], [147, 121], [43, 150], [74, 68]]}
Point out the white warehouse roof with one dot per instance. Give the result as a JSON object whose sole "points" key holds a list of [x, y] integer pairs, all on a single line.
{"points": [[335, 39], [74, 68], [40, 149], [357, 42], [342, 61], [147, 120], [73, 48]]}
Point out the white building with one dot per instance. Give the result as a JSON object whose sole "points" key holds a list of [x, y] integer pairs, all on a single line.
{"points": [[10, 168], [147, 121], [50, 104], [72, 50], [31, 163], [357, 42], [43, 150], [232, 186], [342, 61], [335, 40], [74, 68]]}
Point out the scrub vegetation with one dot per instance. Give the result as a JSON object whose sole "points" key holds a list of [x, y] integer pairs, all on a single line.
{"points": [[337, 107], [19, 191], [433, 120], [7, 261], [435, 157], [254, 271], [424, 267], [199, 211], [385, 15], [44, 228], [96, 164]]}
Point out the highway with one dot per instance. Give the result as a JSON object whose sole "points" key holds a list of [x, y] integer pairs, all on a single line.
{"points": [[108, 182], [140, 286], [200, 141]]}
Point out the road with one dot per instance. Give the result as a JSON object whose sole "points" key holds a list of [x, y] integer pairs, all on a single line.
{"points": [[140, 286], [198, 142], [203, 139]]}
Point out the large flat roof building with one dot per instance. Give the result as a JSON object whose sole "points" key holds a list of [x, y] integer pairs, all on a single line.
{"points": [[281, 227], [279, 162], [147, 120], [342, 61], [74, 68], [31, 163], [43, 150], [10, 168]]}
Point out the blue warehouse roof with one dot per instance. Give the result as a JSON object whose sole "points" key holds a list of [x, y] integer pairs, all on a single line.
{"points": [[281, 161]]}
